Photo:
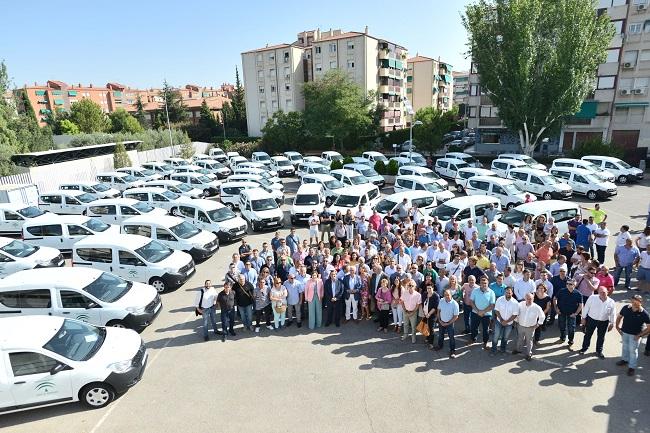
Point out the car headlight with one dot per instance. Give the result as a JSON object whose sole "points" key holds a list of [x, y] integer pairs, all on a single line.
{"points": [[198, 245], [43, 262], [135, 310], [171, 271], [120, 366]]}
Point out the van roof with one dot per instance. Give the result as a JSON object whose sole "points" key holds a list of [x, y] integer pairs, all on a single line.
{"points": [[280, 158], [49, 218], [359, 189], [602, 158], [14, 206], [493, 179], [417, 168], [512, 155], [477, 170], [540, 206], [320, 176], [47, 277], [574, 160], [170, 182], [255, 193], [112, 173], [457, 155], [119, 240], [72, 192], [122, 169], [189, 173], [174, 159], [292, 152], [330, 152], [399, 196], [373, 153], [116, 201], [161, 220], [231, 183], [312, 164], [420, 179], [259, 153], [355, 165], [516, 162], [310, 188], [28, 331], [81, 183], [459, 202], [150, 188], [576, 170], [451, 159], [346, 172], [205, 204], [528, 170]]}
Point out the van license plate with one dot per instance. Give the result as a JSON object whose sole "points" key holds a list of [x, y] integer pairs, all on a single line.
{"points": [[272, 223]]}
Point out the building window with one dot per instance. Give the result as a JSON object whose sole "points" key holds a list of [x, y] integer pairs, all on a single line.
{"points": [[350, 64], [260, 74], [272, 72], [261, 90], [262, 106], [319, 67], [272, 89], [350, 45], [263, 120], [259, 57], [613, 55], [490, 138], [317, 50], [271, 56], [606, 82], [630, 57], [332, 47], [472, 111], [473, 90], [333, 64], [286, 57], [635, 28], [644, 56], [637, 114], [287, 87], [274, 105], [620, 114]]}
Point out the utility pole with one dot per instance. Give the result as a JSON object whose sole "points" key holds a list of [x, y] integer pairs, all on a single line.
{"points": [[169, 126]]}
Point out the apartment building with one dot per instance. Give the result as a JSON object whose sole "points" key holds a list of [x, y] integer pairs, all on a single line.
{"points": [[618, 108], [460, 87], [374, 64], [429, 83]]}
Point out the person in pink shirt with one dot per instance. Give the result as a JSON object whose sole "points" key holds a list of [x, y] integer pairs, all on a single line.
{"points": [[314, 298], [606, 279], [544, 252], [384, 299], [410, 301], [375, 220]]}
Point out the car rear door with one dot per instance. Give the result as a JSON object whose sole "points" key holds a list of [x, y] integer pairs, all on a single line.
{"points": [[10, 222]]}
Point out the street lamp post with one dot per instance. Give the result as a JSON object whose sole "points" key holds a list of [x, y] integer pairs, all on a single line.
{"points": [[417, 122], [169, 127]]}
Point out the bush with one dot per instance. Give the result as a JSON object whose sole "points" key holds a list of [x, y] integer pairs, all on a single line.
{"points": [[245, 149], [187, 150], [120, 157], [597, 146], [380, 167], [348, 160], [336, 165], [392, 168]]}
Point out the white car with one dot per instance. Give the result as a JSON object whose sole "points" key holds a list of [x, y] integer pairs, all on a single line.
{"points": [[68, 202], [363, 161], [175, 162], [260, 210], [294, 157], [158, 197], [214, 217], [504, 189], [63, 231], [420, 183], [116, 210], [215, 167], [540, 183], [414, 170], [425, 201], [257, 172], [330, 156], [261, 157], [584, 182], [366, 195], [623, 171], [448, 167], [332, 187], [162, 168], [16, 255], [349, 177], [51, 360], [118, 181], [368, 172], [375, 156], [177, 187], [231, 190], [140, 173], [262, 181], [464, 174], [469, 159], [282, 166], [416, 158], [258, 165], [309, 197], [14, 215], [305, 168], [464, 209], [196, 169], [586, 165], [561, 211], [99, 189], [502, 166], [209, 187], [530, 162]]}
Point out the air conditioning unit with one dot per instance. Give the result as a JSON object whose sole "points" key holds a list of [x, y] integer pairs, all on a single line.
{"points": [[625, 91], [639, 91], [628, 65], [641, 7]]}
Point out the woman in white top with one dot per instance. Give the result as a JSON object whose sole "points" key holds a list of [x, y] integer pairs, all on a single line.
{"points": [[511, 239], [518, 272], [278, 303]]}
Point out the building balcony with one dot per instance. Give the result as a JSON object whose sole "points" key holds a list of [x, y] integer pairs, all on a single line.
{"points": [[384, 72], [384, 88], [385, 54], [489, 121]]}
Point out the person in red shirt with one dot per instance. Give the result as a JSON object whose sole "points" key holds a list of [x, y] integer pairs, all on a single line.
{"points": [[375, 220], [606, 279]]}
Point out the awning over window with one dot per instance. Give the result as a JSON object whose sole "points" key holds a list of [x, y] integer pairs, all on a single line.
{"points": [[587, 110]]}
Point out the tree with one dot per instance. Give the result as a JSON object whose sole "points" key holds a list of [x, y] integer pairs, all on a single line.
{"points": [[338, 107], [120, 157], [187, 150], [435, 123], [122, 121], [67, 126], [140, 114], [89, 117], [175, 106], [27, 107], [206, 118], [238, 105], [284, 131], [536, 59]]}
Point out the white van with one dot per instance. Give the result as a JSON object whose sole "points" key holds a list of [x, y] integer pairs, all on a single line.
{"points": [[309, 197], [257, 172], [375, 156], [191, 168], [469, 159], [14, 215], [540, 183], [349, 177], [84, 294], [530, 162], [401, 161], [175, 233], [69, 202], [414, 170], [269, 170], [214, 217], [175, 162], [263, 182], [561, 211], [467, 208], [235, 160], [623, 171], [424, 200], [262, 157], [586, 165], [218, 154], [502, 166], [504, 189], [209, 187], [175, 186], [420, 183], [332, 187], [368, 172], [282, 166], [99, 189], [584, 182], [311, 168], [260, 210], [464, 174], [366, 195], [448, 167], [116, 210], [317, 160], [158, 197], [63, 231], [140, 173], [416, 158], [330, 156], [294, 157], [135, 258], [363, 161], [118, 181], [215, 167], [161, 168], [16, 255]]}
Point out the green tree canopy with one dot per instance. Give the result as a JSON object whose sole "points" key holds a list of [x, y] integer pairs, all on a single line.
{"points": [[122, 121], [175, 106], [206, 118], [238, 106], [435, 123], [67, 126], [140, 114], [120, 157], [89, 117], [284, 131], [536, 59]]}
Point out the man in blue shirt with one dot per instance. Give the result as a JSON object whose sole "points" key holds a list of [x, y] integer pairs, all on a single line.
{"points": [[448, 312], [583, 232], [625, 257], [482, 301], [568, 304], [499, 259]]}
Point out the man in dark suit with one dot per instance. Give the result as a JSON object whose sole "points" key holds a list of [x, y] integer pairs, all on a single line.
{"points": [[373, 284], [352, 294], [333, 298]]}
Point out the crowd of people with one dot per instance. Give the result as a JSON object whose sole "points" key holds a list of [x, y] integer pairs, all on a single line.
{"points": [[413, 276]]}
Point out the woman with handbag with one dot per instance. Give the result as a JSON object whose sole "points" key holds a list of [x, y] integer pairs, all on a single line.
{"points": [[279, 303], [384, 299], [314, 290], [429, 308]]}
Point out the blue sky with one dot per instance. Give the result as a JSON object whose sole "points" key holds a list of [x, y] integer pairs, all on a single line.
{"points": [[141, 42]]}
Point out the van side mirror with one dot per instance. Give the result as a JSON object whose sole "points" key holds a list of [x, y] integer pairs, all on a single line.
{"points": [[91, 304], [59, 367]]}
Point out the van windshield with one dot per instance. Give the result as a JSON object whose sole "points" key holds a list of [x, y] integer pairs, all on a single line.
{"points": [[433, 187], [306, 199], [78, 341], [19, 249], [185, 230], [347, 201], [221, 214], [385, 206], [418, 159], [100, 187], [129, 178], [380, 158], [264, 204], [171, 195], [96, 225], [623, 164], [513, 217], [282, 162], [430, 175], [167, 167], [319, 169], [108, 287], [262, 157], [512, 189], [295, 157], [144, 208], [154, 252], [550, 180], [333, 184], [358, 180], [147, 172], [31, 212], [204, 179], [86, 197], [444, 212]]}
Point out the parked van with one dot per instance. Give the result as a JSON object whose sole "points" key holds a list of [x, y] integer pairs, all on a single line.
{"points": [[309, 197], [161, 168], [317, 160], [175, 233], [191, 168], [118, 181], [464, 174], [561, 211], [63, 231], [401, 161], [311, 168], [366, 195], [116, 210], [158, 197], [448, 167], [504, 189], [375, 156], [282, 166], [214, 217], [258, 165], [209, 187], [530, 162], [66, 202], [84, 294], [215, 167], [502, 166], [469, 159], [175, 162], [414, 170], [235, 160], [416, 158], [330, 156], [140, 173], [540, 183], [584, 182], [263, 182], [262, 157], [464, 208], [177, 187], [14, 215], [363, 161], [135, 258], [586, 165], [294, 157], [16, 255], [99, 189], [258, 172], [623, 171], [367, 172], [48, 361], [424, 200], [349, 177], [332, 187], [218, 154], [260, 210], [420, 183], [200, 157]]}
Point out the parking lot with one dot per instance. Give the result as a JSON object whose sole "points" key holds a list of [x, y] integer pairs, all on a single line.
{"points": [[353, 379]]}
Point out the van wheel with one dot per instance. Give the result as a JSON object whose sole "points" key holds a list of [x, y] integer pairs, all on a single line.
{"points": [[622, 179], [547, 196], [591, 195], [460, 188], [96, 395], [253, 226], [116, 324], [206, 193], [158, 284], [84, 212]]}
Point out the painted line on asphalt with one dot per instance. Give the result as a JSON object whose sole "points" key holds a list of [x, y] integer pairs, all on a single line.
{"points": [[116, 403]]}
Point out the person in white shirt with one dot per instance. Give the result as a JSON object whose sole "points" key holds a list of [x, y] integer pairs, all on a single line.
{"points": [[543, 279], [314, 221], [205, 302], [508, 279], [493, 231], [598, 314], [530, 316], [442, 256], [455, 268], [601, 239], [624, 235], [643, 272], [403, 258], [390, 269], [469, 230], [506, 310], [524, 286]]}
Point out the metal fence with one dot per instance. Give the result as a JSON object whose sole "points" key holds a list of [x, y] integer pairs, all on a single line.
{"points": [[16, 179]]}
